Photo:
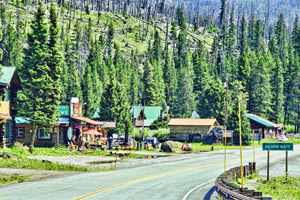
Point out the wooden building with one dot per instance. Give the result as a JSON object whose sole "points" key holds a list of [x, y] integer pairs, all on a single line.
{"points": [[9, 85], [71, 125], [264, 128], [180, 129]]}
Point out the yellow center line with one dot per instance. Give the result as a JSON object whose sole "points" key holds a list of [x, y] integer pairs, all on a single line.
{"points": [[154, 176]]}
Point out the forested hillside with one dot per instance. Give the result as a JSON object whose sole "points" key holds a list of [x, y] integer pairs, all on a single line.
{"points": [[115, 54]]}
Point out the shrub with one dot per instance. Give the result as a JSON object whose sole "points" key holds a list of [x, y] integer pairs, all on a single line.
{"points": [[137, 133], [162, 134], [290, 129], [160, 123]]}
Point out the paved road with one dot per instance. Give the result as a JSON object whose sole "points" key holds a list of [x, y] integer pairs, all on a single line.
{"points": [[188, 178]]}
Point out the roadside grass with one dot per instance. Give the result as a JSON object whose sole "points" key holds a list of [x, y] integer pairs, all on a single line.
{"points": [[280, 187], [8, 179], [25, 163], [17, 158], [269, 140]]}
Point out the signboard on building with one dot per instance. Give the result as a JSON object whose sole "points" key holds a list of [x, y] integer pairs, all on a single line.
{"points": [[278, 146], [76, 110], [64, 111]]}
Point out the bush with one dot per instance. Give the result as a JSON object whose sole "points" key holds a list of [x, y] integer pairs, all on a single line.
{"points": [[137, 133], [160, 123], [162, 134], [290, 129]]}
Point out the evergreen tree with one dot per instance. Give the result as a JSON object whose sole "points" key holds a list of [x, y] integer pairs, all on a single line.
{"points": [[11, 47], [296, 35], [243, 35], [89, 96], [114, 107], [170, 80], [36, 79], [280, 33], [231, 33], [258, 38], [238, 96], [260, 91], [110, 36], [200, 69], [185, 98], [277, 89], [244, 69], [150, 87], [211, 102], [54, 62]]}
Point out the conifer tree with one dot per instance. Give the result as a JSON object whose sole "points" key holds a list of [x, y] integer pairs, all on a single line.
{"points": [[55, 61], [238, 96], [244, 69], [276, 88], [231, 33], [11, 48], [114, 107], [150, 87], [211, 102], [280, 33], [243, 35], [170, 80], [110, 36], [89, 96], [35, 73], [200, 69], [260, 91], [258, 37], [296, 35]]}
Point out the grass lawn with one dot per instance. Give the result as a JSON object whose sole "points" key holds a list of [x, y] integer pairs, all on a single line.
{"points": [[280, 187], [20, 160]]}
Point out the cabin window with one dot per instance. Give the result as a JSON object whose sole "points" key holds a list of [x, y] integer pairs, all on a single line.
{"points": [[44, 133], [21, 132]]}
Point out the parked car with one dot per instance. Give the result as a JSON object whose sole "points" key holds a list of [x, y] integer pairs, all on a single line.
{"points": [[119, 139], [282, 138], [153, 141]]}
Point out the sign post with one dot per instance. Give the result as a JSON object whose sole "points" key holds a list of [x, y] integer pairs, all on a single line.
{"points": [[278, 147]]}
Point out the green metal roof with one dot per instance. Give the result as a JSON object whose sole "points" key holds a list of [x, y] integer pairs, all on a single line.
{"points": [[97, 114], [260, 120], [22, 120], [195, 115], [152, 113], [7, 75]]}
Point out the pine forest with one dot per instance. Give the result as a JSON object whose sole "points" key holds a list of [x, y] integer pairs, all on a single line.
{"points": [[116, 54]]}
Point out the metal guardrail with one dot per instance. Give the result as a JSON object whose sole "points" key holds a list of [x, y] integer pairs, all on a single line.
{"points": [[228, 190]]}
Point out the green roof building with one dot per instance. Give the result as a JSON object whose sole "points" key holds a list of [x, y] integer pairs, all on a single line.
{"points": [[140, 115]]}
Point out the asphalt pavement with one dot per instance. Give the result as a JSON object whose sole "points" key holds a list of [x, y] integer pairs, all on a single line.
{"points": [[190, 178]]}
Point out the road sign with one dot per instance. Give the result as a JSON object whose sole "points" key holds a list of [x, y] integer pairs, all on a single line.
{"points": [[64, 111], [278, 146]]}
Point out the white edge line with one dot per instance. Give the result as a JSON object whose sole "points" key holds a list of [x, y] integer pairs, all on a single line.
{"points": [[189, 192]]}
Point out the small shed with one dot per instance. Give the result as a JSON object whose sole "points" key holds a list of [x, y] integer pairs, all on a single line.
{"points": [[180, 128]]}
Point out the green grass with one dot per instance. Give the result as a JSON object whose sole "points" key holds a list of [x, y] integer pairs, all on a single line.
{"points": [[284, 188], [20, 159], [7, 179]]}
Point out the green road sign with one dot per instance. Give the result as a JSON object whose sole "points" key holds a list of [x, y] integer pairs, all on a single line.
{"points": [[64, 111], [278, 146]]}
